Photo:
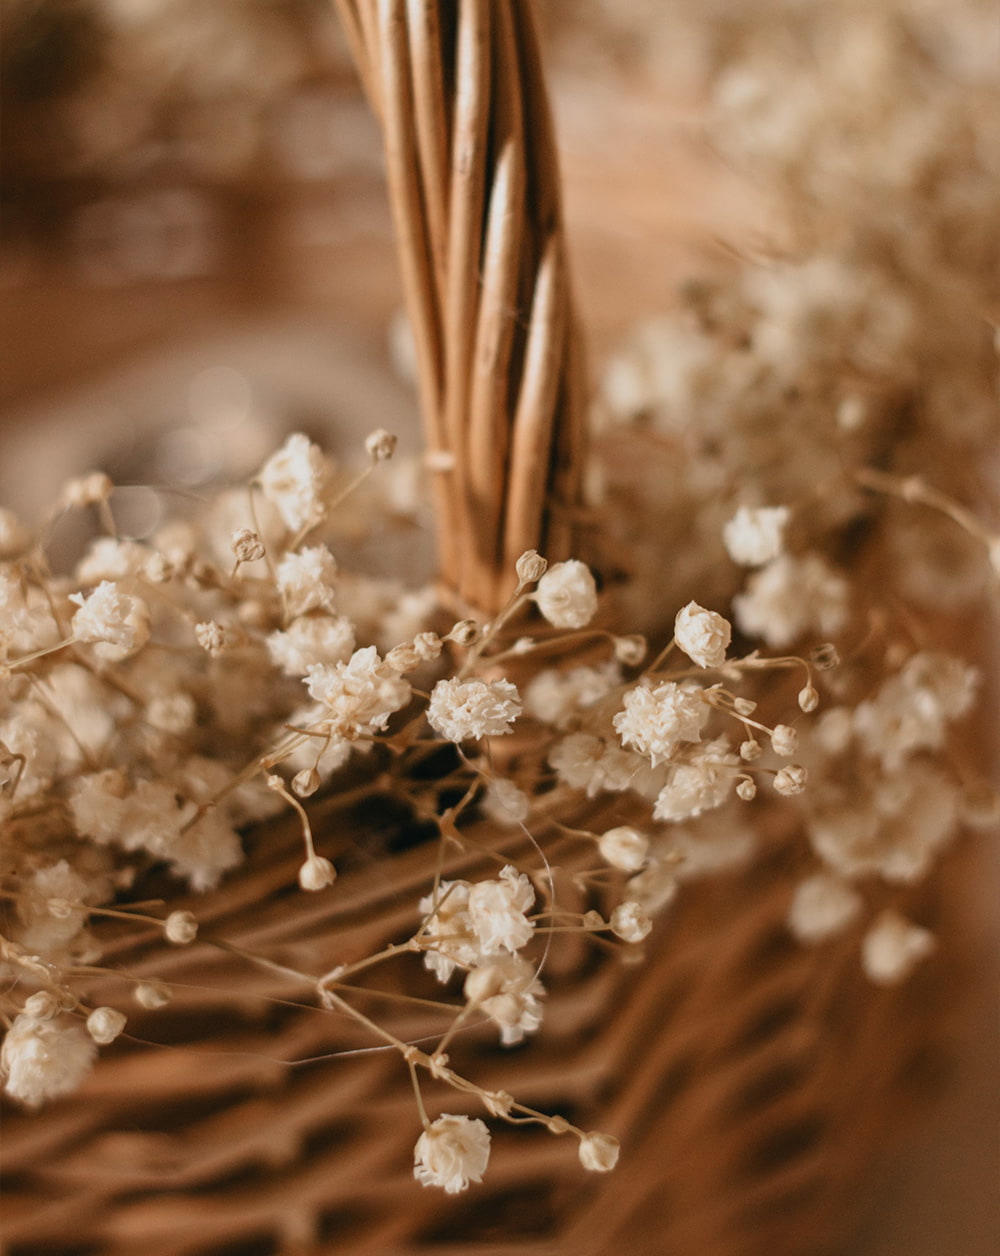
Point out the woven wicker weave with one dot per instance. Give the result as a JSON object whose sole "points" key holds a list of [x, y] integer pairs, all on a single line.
{"points": [[746, 1076]]}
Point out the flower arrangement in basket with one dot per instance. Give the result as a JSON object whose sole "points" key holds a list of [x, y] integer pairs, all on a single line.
{"points": [[379, 868]]}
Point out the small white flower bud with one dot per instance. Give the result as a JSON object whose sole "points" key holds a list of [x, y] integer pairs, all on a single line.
{"points": [[746, 789], [153, 994], [180, 927], [381, 445], [306, 782], [791, 780], [703, 635], [750, 750], [808, 699], [247, 545], [317, 873], [213, 638], [744, 706], [893, 947], [567, 595], [465, 633], [630, 922], [630, 650], [599, 1152], [784, 740], [594, 920], [43, 1005], [104, 1024], [624, 847], [531, 566]]}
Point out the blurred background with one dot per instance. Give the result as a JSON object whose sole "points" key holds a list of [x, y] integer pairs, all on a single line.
{"points": [[196, 257]]}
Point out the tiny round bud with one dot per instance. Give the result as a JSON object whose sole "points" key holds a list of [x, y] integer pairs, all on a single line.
{"points": [[247, 545], [531, 566], [381, 445], [484, 983], [594, 920], [465, 633], [784, 740], [43, 1005], [808, 699], [791, 780], [744, 706], [213, 638], [306, 782], [750, 750], [746, 789], [630, 650], [317, 873], [153, 994], [557, 1124], [599, 1152], [630, 922], [180, 927], [104, 1024], [624, 847]]}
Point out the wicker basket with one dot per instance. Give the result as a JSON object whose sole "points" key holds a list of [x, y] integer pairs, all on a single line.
{"points": [[748, 1078]]}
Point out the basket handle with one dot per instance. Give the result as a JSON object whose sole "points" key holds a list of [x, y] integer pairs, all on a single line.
{"points": [[474, 184]]}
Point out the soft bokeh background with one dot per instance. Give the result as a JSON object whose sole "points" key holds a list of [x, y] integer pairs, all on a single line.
{"points": [[196, 257]]}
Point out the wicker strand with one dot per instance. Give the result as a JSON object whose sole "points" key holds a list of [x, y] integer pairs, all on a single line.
{"points": [[474, 185]]}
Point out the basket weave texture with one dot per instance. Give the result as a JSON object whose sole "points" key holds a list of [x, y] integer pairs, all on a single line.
{"points": [[745, 1076]]}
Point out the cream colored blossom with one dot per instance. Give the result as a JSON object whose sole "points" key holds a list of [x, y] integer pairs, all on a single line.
{"points": [[754, 537], [656, 721], [44, 1059], [567, 595], [497, 911], [295, 480], [452, 1152], [599, 1152], [821, 907], [115, 622], [893, 947], [465, 710], [703, 635]]}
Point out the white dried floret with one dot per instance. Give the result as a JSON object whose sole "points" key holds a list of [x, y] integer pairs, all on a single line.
{"points": [[624, 847], [380, 445], [599, 1152], [556, 697], [90, 489], [295, 481], [893, 947], [498, 911], [567, 595], [153, 995], [305, 579], [791, 780], [53, 906], [630, 922], [701, 784], [784, 740], [97, 804], [44, 1059], [108, 558], [452, 1152], [754, 537], [181, 928], [912, 709], [703, 635], [508, 990], [531, 566], [448, 937], [821, 907], [105, 1024], [790, 597], [463, 710], [247, 546], [656, 721], [115, 622], [311, 640], [173, 713], [505, 803], [359, 695]]}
